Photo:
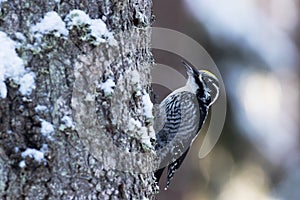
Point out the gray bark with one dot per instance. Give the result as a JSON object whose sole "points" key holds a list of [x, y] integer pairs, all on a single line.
{"points": [[66, 69]]}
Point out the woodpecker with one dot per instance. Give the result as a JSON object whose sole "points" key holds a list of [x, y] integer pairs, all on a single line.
{"points": [[183, 113]]}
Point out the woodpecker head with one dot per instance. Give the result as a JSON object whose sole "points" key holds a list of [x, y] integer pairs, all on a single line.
{"points": [[203, 83]]}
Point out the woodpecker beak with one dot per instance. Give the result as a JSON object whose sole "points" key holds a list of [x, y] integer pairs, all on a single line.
{"points": [[187, 67], [190, 69]]}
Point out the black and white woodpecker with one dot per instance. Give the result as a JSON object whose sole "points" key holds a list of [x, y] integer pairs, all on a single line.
{"points": [[183, 113]]}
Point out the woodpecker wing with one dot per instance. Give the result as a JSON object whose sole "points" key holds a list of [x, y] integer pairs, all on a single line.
{"points": [[181, 118]]}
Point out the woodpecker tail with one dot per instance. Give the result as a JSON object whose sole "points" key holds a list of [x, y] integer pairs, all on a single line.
{"points": [[158, 174], [174, 166]]}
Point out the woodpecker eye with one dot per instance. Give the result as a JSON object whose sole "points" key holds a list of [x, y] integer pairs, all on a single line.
{"points": [[211, 84]]}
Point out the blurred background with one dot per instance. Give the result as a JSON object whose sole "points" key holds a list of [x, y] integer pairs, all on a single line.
{"points": [[255, 44]]}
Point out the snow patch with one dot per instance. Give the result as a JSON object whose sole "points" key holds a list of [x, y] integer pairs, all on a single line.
{"points": [[138, 93], [108, 87], [134, 125], [47, 129], [135, 77], [12, 66], [147, 106], [68, 121], [27, 83], [51, 23], [40, 108], [16, 149], [96, 28], [37, 155], [77, 18], [3, 90], [33, 153], [145, 138], [20, 36], [144, 133], [22, 164], [100, 32], [152, 132]]}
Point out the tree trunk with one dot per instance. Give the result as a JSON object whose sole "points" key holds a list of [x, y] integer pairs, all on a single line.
{"points": [[74, 103]]}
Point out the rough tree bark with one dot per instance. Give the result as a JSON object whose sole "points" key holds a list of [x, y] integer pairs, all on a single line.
{"points": [[73, 64]]}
